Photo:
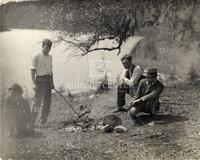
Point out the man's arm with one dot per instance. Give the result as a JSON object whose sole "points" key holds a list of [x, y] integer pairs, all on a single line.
{"points": [[33, 76], [134, 78], [139, 89], [52, 82], [152, 94], [138, 94], [34, 69]]}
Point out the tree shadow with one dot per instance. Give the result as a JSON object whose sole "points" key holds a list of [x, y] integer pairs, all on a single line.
{"points": [[161, 119]]}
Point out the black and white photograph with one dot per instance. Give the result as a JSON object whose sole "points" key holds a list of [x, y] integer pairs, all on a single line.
{"points": [[99, 79]]}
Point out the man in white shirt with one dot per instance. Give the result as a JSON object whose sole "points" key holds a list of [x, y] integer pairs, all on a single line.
{"points": [[42, 77], [129, 80]]}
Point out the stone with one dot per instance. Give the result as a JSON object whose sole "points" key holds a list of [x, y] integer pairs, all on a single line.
{"points": [[151, 123], [120, 129], [112, 120], [71, 129], [107, 129], [91, 96]]}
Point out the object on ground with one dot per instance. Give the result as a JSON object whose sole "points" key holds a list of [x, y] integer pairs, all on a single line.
{"points": [[91, 96], [151, 123], [120, 129], [107, 129], [112, 120], [102, 85], [72, 129]]}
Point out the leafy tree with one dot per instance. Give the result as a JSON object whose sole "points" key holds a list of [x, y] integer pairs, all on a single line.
{"points": [[117, 20]]}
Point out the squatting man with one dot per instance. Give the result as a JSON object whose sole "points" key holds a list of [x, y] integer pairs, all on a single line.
{"points": [[147, 96]]}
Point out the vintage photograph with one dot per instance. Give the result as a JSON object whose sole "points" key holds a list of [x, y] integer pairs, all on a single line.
{"points": [[99, 80]]}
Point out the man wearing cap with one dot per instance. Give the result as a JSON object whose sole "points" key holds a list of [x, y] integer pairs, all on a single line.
{"points": [[17, 111], [129, 80], [147, 96], [42, 77]]}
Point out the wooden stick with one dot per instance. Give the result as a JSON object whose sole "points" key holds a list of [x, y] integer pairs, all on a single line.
{"points": [[70, 106]]}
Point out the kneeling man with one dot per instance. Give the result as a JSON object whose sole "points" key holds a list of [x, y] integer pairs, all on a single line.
{"points": [[147, 96]]}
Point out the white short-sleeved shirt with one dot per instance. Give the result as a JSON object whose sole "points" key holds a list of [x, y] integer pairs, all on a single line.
{"points": [[42, 64]]}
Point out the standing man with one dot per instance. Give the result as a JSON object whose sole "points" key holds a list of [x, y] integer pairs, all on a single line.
{"points": [[42, 77], [147, 96], [129, 80]]}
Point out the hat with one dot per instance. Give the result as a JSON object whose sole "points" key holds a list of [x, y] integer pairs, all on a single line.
{"points": [[152, 72], [16, 87]]}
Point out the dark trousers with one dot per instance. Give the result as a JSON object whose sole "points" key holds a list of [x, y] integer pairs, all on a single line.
{"points": [[17, 123], [122, 90], [42, 98], [146, 107]]}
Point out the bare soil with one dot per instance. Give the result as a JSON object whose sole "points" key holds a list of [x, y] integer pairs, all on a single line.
{"points": [[174, 133]]}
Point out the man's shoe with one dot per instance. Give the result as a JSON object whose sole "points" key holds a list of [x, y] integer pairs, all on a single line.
{"points": [[135, 121]]}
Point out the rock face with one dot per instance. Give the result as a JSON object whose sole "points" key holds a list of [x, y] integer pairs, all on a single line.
{"points": [[112, 120]]}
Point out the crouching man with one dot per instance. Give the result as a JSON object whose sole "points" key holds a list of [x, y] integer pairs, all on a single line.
{"points": [[147, 96], [129, 81], [17, 112]]}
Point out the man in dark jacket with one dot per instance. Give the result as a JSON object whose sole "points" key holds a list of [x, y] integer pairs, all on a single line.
{"points": [[147, 96]]}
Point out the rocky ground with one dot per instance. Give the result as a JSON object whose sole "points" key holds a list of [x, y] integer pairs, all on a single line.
{"points": [[173, 134]]}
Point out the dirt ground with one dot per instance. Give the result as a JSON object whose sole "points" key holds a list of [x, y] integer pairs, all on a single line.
{"points": [[174, 133]]}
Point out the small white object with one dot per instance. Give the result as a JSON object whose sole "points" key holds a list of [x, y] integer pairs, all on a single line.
{"points": [[91, 96], [151, 123], [120, 129], [71, 129]]}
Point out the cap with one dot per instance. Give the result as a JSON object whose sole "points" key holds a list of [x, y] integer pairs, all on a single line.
{"points": [[16, 87]]}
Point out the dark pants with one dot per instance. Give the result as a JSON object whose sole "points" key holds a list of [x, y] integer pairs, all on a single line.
{"points": [[122, 89], [42, 98], [17, 123], [146, 107]]}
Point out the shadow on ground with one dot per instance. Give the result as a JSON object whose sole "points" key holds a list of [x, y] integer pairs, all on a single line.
{"points": [[162, 119]]}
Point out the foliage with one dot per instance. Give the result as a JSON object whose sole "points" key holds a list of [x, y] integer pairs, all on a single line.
{"points": [[119, 19]]}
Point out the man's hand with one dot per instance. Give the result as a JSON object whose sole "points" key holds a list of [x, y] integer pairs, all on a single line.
{"points": [[35, 87], [135, 102], [122, 78], [126, 107]]}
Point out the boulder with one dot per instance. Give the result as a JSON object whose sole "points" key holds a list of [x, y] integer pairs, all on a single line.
{"points": [[112, 120], [120, 129]]}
